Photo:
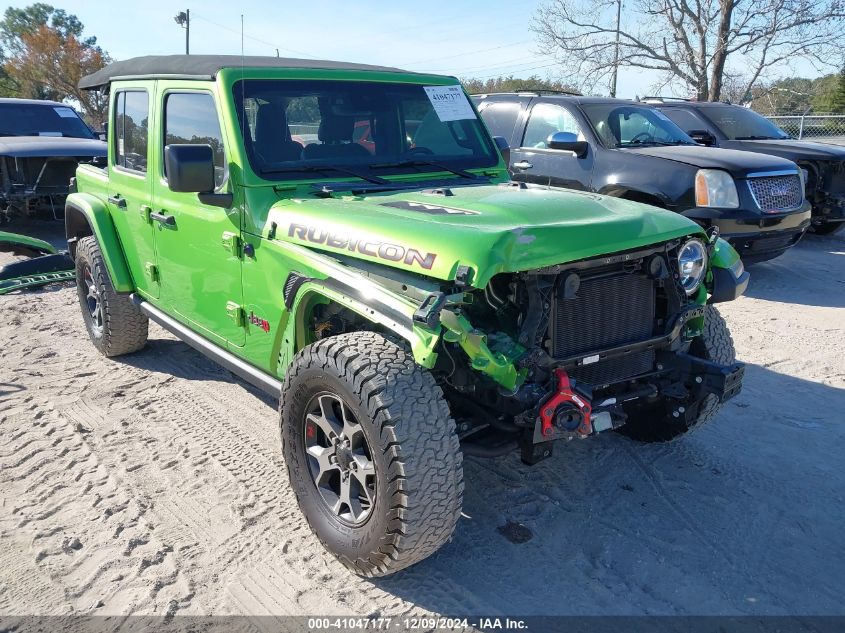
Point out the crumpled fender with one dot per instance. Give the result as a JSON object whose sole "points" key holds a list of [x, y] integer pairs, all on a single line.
{"points": [[86, 214], [323, 280], [724, 255], [728, 278]]}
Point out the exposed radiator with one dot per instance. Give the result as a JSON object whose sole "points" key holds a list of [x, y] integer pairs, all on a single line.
{"points": [[610, 310]]}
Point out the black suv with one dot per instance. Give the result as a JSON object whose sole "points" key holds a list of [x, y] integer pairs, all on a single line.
{"points": [[735, 127], [630, 150]]}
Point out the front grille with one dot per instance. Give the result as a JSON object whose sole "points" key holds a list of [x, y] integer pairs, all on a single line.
{"points": [[608, 310], [777, 193]]}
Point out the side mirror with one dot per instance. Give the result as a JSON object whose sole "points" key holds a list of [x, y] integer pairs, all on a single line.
{"points": [[703, 137], [102, 135], [567, 141], [504, 148], [190, 169]]}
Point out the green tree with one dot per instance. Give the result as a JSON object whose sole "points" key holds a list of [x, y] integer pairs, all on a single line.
{"points": [[837, 99], [43, 54], [823, 90], [792, 95], [514, 84], [17, 23]]}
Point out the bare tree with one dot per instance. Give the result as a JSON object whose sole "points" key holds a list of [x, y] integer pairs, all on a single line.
{"points": [[693, 42]]}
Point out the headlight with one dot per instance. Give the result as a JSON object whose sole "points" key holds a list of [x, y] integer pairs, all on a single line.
{"points": [[715, 188], [692, 264]]}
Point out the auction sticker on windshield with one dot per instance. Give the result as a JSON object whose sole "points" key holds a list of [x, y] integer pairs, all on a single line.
{"points": [[450, 103], [65, 113]]}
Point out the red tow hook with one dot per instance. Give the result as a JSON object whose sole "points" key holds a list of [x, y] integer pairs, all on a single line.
{"points": [[568, 407]]}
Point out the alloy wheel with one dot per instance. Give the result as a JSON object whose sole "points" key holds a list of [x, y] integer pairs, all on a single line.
{"points": [[339, 459], [92, 301]]}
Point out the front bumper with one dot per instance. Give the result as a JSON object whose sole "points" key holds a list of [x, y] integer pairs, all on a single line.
{"points": [[756, 237], [683, 380]]}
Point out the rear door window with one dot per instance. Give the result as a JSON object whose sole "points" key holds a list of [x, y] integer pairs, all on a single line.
{"points": [[131, 125]]}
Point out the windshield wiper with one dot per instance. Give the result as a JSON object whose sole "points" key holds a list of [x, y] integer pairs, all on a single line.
{"points": [[427, 163], [5, 133], [760, 138], [317, 168], [660, 143]]}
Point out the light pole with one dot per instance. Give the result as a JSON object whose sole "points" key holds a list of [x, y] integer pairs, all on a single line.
{"points": [[616, 50], [183, 19]]}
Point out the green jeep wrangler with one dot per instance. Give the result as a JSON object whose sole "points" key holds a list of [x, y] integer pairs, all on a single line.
{"points": [[346, 237]]}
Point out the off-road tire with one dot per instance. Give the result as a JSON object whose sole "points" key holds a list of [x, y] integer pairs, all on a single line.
{"points": [[123, 327], [654, 425], [412, 440], [828, 228]]}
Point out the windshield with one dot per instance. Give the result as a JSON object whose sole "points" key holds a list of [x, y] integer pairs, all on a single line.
{"points": [[29, 119], [740, 124], [293, 127], [633, 126]]}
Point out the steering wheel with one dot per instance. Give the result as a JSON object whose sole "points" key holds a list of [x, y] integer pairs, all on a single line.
{"points": [[647, 138]]}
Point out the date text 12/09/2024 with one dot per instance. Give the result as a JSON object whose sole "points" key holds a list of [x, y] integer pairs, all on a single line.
{"points": [[416, 623]]}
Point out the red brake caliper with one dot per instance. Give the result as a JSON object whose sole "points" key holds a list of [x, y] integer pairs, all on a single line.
{"points": [[564, 394]]}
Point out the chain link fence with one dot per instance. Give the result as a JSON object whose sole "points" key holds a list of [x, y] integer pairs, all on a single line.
{"points": [[826, 128]]}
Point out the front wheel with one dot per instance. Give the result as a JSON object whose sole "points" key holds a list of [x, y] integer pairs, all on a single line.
{"points": [[654, 424], [371, 452]]}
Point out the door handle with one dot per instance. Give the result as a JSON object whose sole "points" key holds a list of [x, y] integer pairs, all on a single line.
{"points": [[523, 164], [118, 201], [167, 220]]}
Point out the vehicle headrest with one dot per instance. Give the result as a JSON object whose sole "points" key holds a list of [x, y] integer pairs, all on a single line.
{"points": [[271, 122], [335, 128]]}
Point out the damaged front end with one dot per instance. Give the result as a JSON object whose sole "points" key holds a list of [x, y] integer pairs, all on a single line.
{"points": [[44, 264], [825, 189], [571, 350], [36, 184]]}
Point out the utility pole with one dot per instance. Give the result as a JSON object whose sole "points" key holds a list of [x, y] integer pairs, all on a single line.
{"points": [[183, 19], [616, 50]]}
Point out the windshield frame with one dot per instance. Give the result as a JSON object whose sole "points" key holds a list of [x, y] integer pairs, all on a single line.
{"points": [[27, 105], [306, 170], [705, 111], [585, 107]]}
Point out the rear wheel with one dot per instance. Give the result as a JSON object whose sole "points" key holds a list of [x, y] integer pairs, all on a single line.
{"points": [[115, 324], [371, 452], [654, 424]]}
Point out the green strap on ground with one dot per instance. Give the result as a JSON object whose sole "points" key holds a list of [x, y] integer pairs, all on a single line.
{"points": [[34, 281]]}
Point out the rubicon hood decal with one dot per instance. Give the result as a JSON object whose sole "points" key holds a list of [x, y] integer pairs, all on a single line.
{"points": [[371, 248]]}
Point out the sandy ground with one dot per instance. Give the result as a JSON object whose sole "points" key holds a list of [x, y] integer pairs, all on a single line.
{"points": [[154, 484]]}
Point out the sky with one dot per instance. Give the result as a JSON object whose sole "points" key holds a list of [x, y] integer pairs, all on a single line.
{"points": [[466, 38]]}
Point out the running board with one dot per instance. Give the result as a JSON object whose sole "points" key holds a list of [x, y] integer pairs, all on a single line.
{"points": [[229, 361]]}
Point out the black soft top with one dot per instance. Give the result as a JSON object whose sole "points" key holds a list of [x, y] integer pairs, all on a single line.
{"points": [[205, 67]]}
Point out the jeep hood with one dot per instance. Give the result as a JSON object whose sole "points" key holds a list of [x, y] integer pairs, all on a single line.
{"points": [[738, 164], [792, 149], [488, 229], [28, 146]]}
